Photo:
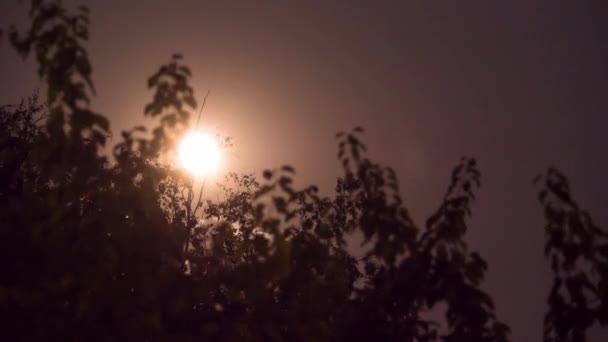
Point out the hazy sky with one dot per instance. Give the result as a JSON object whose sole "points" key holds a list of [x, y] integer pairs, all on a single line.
{"points": [[520, 85]]}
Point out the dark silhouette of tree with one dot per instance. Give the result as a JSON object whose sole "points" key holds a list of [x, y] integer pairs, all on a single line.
{"points": [[578, 251], [127, 249]]}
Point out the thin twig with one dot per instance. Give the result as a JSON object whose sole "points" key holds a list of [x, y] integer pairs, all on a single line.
{"points": [[201, 111], [188, 216], [199, 203]]}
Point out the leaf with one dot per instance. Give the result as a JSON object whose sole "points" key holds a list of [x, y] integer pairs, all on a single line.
{"points": [[307, 224], [289, 169], [323, 231], [190, 101], [267, 174], [102, 122]]}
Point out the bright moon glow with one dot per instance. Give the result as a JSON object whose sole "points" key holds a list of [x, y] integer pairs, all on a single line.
{"points": [[199, 153]]}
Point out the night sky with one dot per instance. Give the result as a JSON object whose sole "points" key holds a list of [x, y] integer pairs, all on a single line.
{"points": [[519, 85]]}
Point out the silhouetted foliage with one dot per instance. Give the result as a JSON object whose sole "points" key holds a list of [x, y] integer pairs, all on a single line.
{"points": [[578, 251], [128, 249]]}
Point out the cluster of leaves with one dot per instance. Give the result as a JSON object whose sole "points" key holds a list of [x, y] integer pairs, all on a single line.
{"points": [[93, 250], [56, 37], [173, 95], [578, 251]]}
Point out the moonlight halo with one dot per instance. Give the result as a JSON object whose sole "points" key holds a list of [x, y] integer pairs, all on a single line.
{"points": [[199, 154]]}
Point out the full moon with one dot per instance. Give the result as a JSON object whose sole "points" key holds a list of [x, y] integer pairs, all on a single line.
{"points": [[199, 154]]}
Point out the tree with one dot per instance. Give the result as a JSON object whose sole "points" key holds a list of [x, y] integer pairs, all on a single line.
{"points": [[113, 248], [578, 251]]}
